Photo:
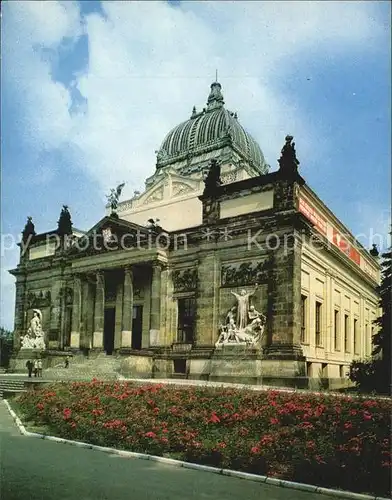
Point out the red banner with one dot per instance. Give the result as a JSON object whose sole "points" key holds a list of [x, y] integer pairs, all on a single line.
{"points": [[341, 242], [312, 215]]}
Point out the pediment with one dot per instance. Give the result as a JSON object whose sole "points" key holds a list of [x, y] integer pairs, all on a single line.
{"points": [[181, 188], [169, 185], [110, 233]]}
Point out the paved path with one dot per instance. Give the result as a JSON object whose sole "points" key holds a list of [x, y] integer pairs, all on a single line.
{"points": [[35, 469]]}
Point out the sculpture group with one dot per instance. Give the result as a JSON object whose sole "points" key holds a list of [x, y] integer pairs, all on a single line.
{"points": [[34, 338], [243, 325]]}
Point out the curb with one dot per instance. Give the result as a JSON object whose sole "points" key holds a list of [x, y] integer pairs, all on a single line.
{"points": [[189, 465]]}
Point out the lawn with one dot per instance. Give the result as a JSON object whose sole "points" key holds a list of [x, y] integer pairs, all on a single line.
{"points": [[332, 441]]}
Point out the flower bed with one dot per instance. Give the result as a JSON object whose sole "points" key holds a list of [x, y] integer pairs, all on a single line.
{"points": [[330, 441]]}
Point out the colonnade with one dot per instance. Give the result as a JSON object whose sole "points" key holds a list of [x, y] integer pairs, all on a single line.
{"points": [[95, 304]]}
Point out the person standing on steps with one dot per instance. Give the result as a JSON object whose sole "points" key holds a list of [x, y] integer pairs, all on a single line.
{"points": [[29, 366], [35, 368]]}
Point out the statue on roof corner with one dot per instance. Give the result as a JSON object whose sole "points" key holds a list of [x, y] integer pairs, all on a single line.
{"points": [[212, 180], [64, 224], [113, 198], [288, 160], [29, 229]]}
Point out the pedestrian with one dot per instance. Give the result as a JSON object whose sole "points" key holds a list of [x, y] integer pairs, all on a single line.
{"points": [[29, 366], [39, 366], [66, 362], [35, 368]]}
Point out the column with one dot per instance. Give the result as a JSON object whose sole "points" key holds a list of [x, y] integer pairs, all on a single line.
{"points": [[99, 309], [76, 312], [127, 317], [155, 312]]}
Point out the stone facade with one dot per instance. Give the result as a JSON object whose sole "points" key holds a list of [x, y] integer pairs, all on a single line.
{"points": [[158, 296]]}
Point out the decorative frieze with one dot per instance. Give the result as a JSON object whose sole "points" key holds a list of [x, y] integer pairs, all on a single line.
{"points": [[185, 280], [38, 299], [180, 189], [246, 273]]}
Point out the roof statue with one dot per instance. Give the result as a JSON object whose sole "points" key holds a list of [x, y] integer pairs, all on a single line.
{"points": [[374, 251], [213, 179], [64, 223], [113, 198], [29, 229], [288, 161]]}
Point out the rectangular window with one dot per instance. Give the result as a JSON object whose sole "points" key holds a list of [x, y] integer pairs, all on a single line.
{"points": [[346, 333], [304, 305], [336, 330], [356, 338], [186, 319], [318, 323]]}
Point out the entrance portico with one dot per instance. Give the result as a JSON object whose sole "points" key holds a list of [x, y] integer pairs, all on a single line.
{"points": [[117, 308]]}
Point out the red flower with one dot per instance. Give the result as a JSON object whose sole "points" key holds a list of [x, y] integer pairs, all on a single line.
{"points": [[40, 406], [150, 434], [306, 425], [367, 415], [67, 413], [255, 449], [274, 421], [221, 445], [214, 418], [348, 425]]}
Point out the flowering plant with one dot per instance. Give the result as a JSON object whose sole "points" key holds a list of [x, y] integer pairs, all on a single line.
{"points": [[327, 440]]}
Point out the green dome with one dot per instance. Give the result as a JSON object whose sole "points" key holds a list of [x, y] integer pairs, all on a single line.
{"points": [[213, 128]]}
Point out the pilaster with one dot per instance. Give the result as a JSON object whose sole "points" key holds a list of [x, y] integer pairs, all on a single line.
{"points": [[99, 309], [285, 309], [76, 312], [155, 312], [207, 300], [20, 310], [127, 314], [54, 340]]}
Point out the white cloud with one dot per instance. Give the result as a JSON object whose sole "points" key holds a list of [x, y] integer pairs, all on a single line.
{"points": [[149, 63]]}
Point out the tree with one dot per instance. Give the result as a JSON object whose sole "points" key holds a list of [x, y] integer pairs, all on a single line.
{"points": [[6, 345], [382, 339], [375, 374]]}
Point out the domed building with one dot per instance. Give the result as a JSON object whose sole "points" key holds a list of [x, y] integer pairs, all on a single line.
{"points": [[214, 133], [220, 270]]}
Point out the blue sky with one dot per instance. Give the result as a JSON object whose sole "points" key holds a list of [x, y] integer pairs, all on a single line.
{"points": [[90, 89]]}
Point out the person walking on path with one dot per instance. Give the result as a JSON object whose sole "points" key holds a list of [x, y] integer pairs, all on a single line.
{"points": [[66, 365], [29, 366], [39, 366]]}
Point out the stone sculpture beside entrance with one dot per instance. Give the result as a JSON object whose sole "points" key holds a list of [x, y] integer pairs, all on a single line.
{"points": [[244, 324], [34, 338]]}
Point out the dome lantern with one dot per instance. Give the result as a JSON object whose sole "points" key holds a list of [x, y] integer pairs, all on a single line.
{"points": [[212, 132]]}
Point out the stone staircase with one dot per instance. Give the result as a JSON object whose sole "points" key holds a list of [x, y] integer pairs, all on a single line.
{"points": [[102, 367], [10, 386]]}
